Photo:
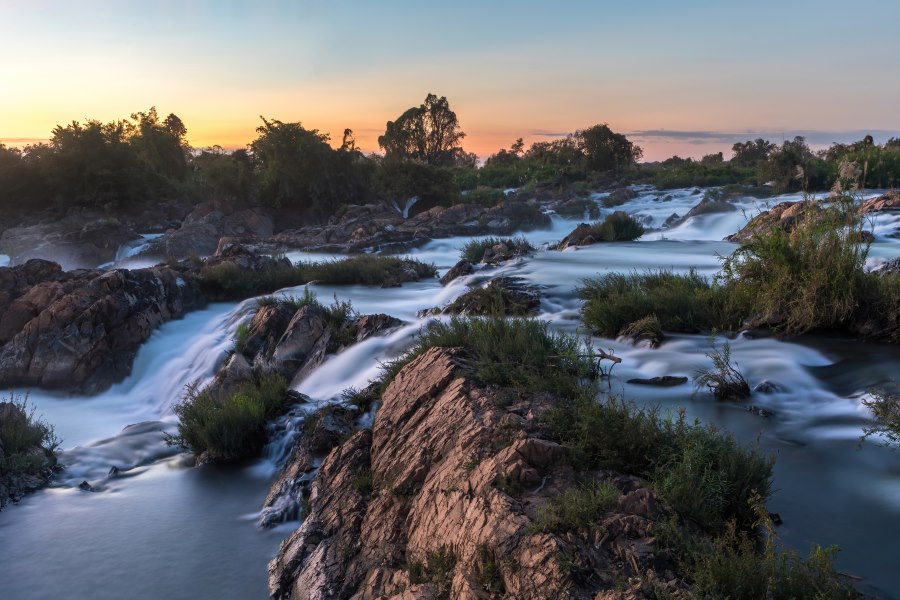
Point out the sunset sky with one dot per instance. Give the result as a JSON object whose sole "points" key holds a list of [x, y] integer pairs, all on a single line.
{"points": [[686, 77]]}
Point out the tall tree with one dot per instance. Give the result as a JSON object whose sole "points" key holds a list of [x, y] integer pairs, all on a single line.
{"points": [[428, 133]]}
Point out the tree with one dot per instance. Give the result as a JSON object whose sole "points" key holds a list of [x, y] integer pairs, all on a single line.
{"points": [[605, 150], [750, 153], [428, 133]]}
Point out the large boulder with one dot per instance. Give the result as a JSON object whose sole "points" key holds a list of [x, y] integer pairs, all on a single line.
{"points": [[76, 241], [81, 329], [422, 505]]}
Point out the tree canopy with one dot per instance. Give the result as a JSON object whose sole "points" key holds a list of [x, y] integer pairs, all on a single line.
{"points": [[428, 133]]}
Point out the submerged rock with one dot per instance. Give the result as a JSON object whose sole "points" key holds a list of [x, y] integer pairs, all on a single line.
{"points": [[663, 381], [461, 268]]}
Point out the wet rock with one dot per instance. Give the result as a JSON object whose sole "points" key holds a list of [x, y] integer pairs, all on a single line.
{"points": [[582, 235], [785, 215], [371, 325], [663, 381], [578, 208], [461, 268], [81, 329], [762, 412], [889, 202], [502, 296], [84, 486], [891, 267], [766, 387], [619, 196], [75, 241], [202, 229]]}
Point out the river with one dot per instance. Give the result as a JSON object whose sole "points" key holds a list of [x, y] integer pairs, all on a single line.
{"points": [[162, 528]]}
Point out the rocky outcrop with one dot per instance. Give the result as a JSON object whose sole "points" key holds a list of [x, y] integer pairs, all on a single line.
{"points": [[619, 196], [582, 235], [889, 202], [785, 215], [508, 296], [578, 208], [81, 329], [381, 227], [438, 500], [463, 267], [202, 229], [75, 241]]}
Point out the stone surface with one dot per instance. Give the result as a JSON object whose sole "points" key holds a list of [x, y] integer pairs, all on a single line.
{"points": [[420, 488]]}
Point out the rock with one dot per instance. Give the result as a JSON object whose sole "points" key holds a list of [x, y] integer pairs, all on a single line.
{"points": [[86, 487], [663, 381], [371, 325], [766, 387], [672, 220], [502, 296], [202, 229], [75, 241], [113, 471], [891, 267], [461, 268], [421, 487], [762, 412], [582, 235], [578, 208], [889, 202], [619, 196], [81, 329], [785, 215]]}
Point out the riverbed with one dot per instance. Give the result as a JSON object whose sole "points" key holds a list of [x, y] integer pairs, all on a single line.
{"points": [[160, 527]]}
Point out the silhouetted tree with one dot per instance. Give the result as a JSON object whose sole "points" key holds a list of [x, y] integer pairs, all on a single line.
{"points": [[428, 133]]}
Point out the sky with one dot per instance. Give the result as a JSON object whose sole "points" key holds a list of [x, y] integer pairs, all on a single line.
{"points": [[686, 77]]}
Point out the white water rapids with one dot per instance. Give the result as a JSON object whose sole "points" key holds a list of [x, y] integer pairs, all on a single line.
{"points": [[163, 529]]}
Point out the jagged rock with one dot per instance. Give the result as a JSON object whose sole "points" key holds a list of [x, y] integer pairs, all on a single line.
{"points": [[75, 241], [371, 325], [81, 329], [582, 235], [422, 483], [461, 268], [889, 202], [619, 196], [502, 296], [891, 267], [766, 387], [784, 215], [202, 229], [663, 381]]}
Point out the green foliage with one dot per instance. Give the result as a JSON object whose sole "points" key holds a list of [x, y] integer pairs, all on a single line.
{"points": [[229, 425], [227, 281], [428, 133], [484, 196], [523, 354], [473, 250], [605, 150], [705, 475], [399, 181], [617, 227], [297, 168], [647, 328], [885, 406], [803, 279], [683, 303], [724, 380], [224, 176], [241, 334], [28, 442], [678, 172], [580, 507], [489, 574], [732, 567]]}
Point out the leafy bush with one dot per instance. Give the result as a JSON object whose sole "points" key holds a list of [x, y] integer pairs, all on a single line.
{"points": [[523, 354], [801, 279], [684, 303], [28, 442], [617, 227], [485, 196], [229, 425], [704, 474], [576, 508], [473, 250]]}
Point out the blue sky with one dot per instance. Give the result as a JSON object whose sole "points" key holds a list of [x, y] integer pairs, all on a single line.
{"points": [[509, 69]]}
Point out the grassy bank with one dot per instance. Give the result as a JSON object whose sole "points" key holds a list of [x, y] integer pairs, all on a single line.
{"points": [[28, 444]]}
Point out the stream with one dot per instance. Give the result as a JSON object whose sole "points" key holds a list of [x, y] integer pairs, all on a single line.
{"points": [[161, 528]]}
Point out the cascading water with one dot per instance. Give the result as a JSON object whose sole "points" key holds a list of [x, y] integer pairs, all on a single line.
{"points": [[160, 528]]}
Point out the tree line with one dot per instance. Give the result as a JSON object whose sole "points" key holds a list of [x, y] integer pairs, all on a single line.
{"points": [[146, 158]]}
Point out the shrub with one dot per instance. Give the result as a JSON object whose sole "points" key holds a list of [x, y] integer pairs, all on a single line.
{"points": [[229, 425], [802, 279], [227, 281], [368, 269], [473, 250], [684, 303], [704, 474], [28, 442], [732, 566], [886, 408], [645, 329], [617, 227], [577, 508], [724, 380], [523, 354], [485, 196]]}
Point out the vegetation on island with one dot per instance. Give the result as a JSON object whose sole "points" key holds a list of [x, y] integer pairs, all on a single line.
{"points": [[28, 446], [719, 532]]}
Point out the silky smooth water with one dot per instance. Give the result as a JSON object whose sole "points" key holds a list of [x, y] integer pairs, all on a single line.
{"points": [[162, 528]]}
